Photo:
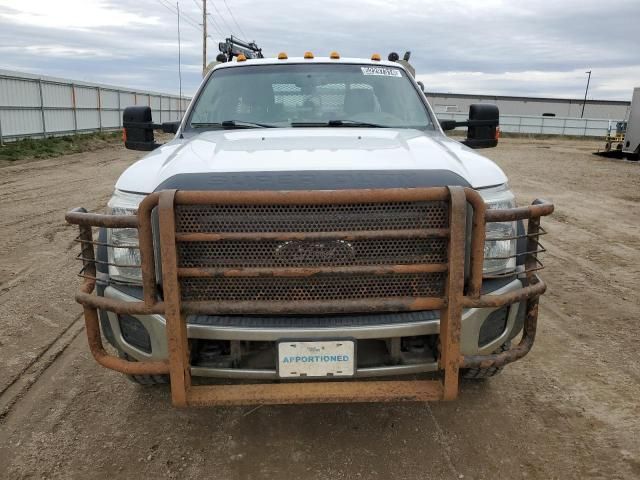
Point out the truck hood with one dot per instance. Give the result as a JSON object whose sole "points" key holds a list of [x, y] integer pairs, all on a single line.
{"points": [[308, 150]]}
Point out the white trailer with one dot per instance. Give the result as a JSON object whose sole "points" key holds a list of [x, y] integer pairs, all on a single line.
{"points": [[631, 143]]}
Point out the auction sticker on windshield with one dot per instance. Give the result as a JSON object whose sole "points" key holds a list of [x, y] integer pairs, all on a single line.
{"points": [[316, 359], [383, 71]]}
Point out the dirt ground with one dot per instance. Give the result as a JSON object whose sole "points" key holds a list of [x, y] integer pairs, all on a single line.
{"points": [[571, 409]]}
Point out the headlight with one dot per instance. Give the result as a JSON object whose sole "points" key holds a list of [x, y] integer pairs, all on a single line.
{"points": [[124, 240], [501, 251]]}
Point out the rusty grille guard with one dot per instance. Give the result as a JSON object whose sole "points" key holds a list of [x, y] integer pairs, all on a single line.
{"points": [[458, 293]]}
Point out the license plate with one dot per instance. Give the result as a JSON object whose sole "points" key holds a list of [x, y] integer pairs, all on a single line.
{"points": [[334, 358]]}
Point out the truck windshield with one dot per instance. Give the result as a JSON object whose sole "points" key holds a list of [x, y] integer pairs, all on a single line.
{"points": [[299, 95]]}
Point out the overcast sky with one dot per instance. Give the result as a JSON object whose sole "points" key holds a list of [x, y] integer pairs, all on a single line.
{"points": [[509, 47]]}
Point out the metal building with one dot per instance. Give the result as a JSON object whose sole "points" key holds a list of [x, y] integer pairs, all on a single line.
{"points": [[560, 107], [40, 106]]}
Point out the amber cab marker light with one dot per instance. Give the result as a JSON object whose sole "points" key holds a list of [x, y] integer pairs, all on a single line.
{"points": [[308, 55], [334, 55], [241, 58], [375, 57], [282, 56]]}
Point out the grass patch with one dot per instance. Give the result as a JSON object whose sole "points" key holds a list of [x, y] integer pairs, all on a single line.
{"points": [[37, 148]]}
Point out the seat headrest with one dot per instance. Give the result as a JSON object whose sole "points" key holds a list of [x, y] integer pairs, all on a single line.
{"points": [[359, 100]]}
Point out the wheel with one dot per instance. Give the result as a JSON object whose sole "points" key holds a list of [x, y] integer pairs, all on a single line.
{"points": [[607, 147], [483, 373], [144, 379]]}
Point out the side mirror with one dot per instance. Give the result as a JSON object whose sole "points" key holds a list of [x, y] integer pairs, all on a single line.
{"points": [[448, 124], [419, 82], [482, 126], [138, 128]]}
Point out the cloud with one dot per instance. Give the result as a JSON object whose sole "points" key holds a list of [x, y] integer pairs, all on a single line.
{"points": [[512, 47]]}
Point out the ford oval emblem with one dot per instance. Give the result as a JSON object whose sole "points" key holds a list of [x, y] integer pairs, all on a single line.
{"points": [[315, 251]]}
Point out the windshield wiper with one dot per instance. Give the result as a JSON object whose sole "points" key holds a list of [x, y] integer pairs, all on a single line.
{"points": [[230, 124], [338, 123]]}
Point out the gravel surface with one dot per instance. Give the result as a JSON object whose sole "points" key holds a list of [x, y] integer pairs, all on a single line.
{"points": [[568, 410]]}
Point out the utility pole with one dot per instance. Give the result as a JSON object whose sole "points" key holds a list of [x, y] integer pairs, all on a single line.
{"points": [[204, 37], [585, 93]]}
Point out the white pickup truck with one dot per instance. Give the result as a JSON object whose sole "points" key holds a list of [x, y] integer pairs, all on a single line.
{"points": [[310, 225]]}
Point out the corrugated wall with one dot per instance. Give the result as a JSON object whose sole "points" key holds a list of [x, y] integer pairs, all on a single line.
{"points": [[580, 127], [38, 106], [609, 109]]}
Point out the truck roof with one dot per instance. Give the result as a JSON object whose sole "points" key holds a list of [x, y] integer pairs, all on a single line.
{"points": [[276, 61]]}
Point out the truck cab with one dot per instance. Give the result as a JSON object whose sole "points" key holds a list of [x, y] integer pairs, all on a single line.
{"points": [[311, 222]]}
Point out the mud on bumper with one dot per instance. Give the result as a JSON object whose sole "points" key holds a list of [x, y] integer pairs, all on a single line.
{"points": [[461, 305]]}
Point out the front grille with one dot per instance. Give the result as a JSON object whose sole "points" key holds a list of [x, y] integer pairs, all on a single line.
{"points": [[278, 253], [340, 235], [311, 218], [321, 287]]}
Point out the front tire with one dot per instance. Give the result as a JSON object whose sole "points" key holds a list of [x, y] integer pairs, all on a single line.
{"points": [[484, 373], [145, 380]]}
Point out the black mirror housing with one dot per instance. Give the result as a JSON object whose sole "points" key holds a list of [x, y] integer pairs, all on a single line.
{"points": [[482, 126], [448, 124], [170, 127], [138, 128]]}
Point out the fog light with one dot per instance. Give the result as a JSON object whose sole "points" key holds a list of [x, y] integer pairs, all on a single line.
{"points": [[493, 326], [134, 333]]}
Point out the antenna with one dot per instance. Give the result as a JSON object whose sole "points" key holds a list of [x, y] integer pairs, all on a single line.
{"points": [[179, 61]]}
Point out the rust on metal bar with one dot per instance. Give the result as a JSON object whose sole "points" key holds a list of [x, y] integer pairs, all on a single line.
{"points": [[180, 372], [478, 227], [451, 314], [535, 289], [316, 392], [79, 216], [174, 308], [87, 253], [145, 240], [312, 197], [307, 272], [104, 244], [531, 261], [364, 305], [118, 364], [514, 353], [118, 306], [535, 210], [101, 355], [349, 236], [517, 237]]}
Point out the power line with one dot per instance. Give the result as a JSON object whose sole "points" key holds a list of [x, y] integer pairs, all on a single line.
{"points": [[234, 19], [215, 25], [217, 31], [212, 23], [183, 17], [220, 16]]}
